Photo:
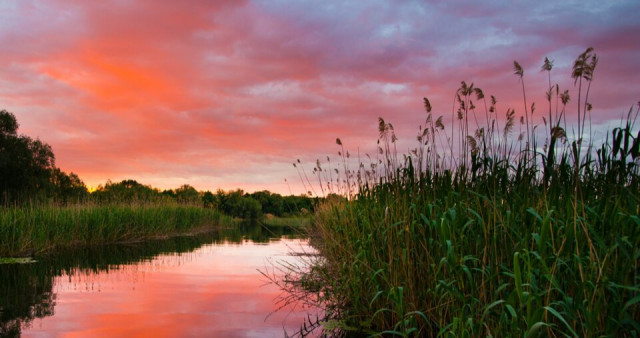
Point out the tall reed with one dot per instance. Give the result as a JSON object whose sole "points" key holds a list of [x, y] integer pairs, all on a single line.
{"points": [[485, 234]]}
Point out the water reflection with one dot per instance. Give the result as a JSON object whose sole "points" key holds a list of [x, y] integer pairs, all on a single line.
{"points": [[201, 285]]}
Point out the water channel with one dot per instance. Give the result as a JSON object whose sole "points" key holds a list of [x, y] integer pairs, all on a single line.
{"points": [[205, 285]]}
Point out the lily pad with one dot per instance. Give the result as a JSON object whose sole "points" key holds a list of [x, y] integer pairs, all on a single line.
{"points": [[21, 260]]}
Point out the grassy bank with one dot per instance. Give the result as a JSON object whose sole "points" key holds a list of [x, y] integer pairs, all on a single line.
{"points": [[477, 233], [35, 229]]}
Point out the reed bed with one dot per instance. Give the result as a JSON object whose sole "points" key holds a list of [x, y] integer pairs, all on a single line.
{"points": [[36, 229], [477, 232]]}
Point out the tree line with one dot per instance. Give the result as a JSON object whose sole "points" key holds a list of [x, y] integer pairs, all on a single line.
{"points": [[28, 174], [235, 203]]}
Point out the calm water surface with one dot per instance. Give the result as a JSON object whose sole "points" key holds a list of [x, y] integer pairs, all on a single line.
{"points": [[208, 285]]}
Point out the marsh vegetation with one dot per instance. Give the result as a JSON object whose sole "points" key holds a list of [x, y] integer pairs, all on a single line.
{"points": [[480, 232]]}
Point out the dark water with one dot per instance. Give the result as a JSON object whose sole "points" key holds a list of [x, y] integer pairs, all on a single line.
{"points": [[206, 285]]}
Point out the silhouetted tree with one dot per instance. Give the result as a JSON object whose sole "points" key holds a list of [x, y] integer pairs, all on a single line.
{"points": [[68, 187], [26, 165]]}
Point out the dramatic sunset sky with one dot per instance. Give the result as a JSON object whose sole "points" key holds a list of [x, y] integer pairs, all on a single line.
{"points": [[228, 93]]}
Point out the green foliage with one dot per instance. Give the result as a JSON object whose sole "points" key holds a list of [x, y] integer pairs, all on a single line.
{"points": [[271, 203], [187, 194], [249, 208], [294, 205], [129, 192], [238, 204], [487, 238], [208, 200]]}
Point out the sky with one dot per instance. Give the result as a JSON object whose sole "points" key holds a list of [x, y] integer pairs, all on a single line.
{"points": [[228, 94]]}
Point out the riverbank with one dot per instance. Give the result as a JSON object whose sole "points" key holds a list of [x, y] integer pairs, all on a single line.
{"points": [[29, 230]]}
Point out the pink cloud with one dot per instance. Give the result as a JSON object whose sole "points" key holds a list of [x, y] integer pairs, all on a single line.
{"points": [[222, 93]]}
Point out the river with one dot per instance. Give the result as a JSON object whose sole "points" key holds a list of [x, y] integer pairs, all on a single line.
{"points": [[207, 285]]}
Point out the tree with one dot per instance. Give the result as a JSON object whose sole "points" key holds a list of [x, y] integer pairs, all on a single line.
{"points": [[271, 203], [249, 208], [238, 204], [26, 165], [187, 194], [8, 124], [209, 200], [230, 202], [297, 204], [126, 191], [68, 187]]}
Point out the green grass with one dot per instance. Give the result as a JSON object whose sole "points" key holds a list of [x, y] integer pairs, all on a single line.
{"points": [[475, 234], [36, 229]]}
